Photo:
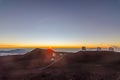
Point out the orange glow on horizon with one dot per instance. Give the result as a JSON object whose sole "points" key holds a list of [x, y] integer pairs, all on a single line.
{"points": [[50, 47]]}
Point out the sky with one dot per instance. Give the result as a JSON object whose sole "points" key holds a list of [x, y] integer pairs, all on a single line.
{"points": [[59, 23]]}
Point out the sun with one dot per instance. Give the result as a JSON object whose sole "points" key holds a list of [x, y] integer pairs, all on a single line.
{"points": [[50, 49]]}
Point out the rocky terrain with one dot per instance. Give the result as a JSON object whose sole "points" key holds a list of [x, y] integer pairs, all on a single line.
{"points": [[83, 65]]}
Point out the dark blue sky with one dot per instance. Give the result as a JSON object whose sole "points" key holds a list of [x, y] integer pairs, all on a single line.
{"points": [[60, 22]]}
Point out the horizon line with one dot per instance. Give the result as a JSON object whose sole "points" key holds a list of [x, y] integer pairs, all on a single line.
{"points": [[53, 46]]}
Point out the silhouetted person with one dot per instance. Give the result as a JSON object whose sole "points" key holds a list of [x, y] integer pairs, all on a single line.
{"points": [[98, 48], [111, 49], [53, 54], [52, 59], [83, 48]]}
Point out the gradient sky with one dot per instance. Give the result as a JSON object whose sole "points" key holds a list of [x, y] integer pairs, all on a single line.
{"points": [[59, 23]]}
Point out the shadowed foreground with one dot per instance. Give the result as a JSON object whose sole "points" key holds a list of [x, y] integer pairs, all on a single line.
{"points": [[83, 65]]}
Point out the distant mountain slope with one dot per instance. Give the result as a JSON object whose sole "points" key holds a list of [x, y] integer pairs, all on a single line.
{"points": [[36, 58], [92, 57]]}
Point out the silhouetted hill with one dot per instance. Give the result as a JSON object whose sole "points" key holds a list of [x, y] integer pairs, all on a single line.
{"points": [[36, 58], [83, 65], [93, 56], [105, 58]]}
